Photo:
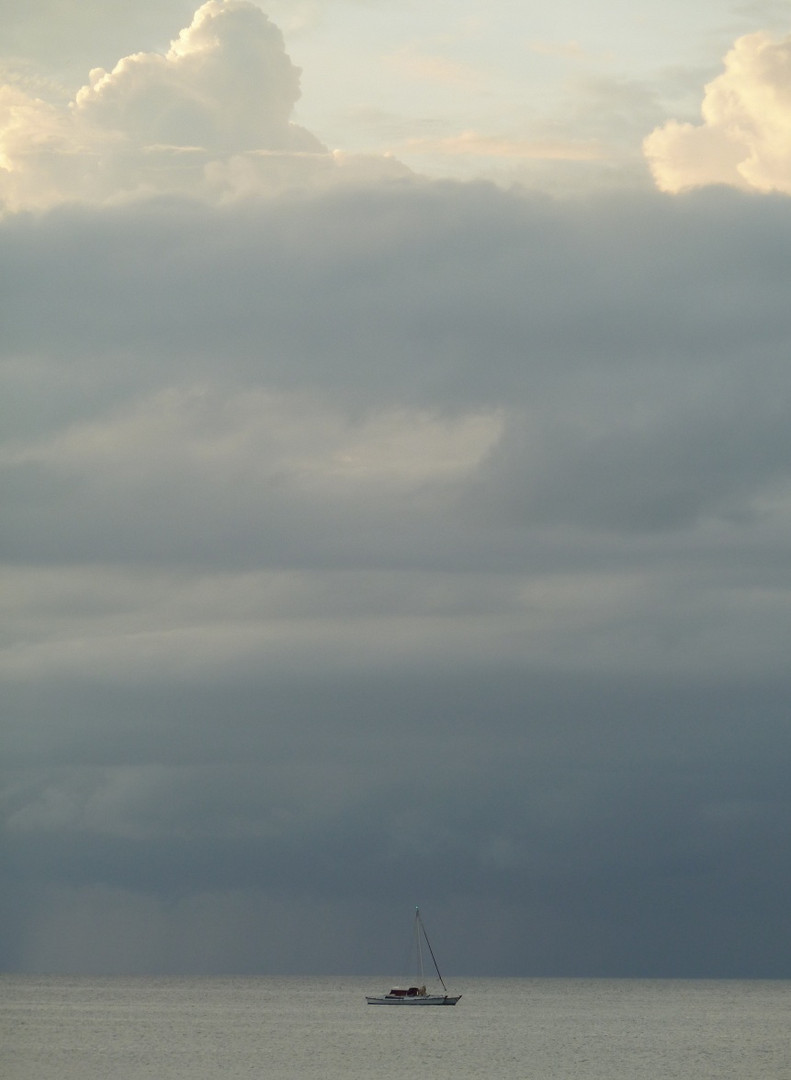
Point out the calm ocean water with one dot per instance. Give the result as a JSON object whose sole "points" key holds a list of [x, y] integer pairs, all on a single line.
{"points": [[62, 1028]]}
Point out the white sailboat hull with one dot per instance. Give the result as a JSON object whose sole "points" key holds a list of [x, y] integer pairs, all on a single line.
{"points": [[426, 999]]}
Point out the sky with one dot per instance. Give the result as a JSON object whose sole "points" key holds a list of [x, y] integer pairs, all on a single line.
{"points": [[396, 487]]}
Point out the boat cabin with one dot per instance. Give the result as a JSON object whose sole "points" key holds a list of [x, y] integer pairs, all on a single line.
{"points": [[411, 991]]}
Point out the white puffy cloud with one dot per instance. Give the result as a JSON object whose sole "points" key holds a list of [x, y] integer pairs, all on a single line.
{"points": [[210, 117], [745, 137], [226, 85]]}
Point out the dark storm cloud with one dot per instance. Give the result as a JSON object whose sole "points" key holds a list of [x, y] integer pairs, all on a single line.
{"points": [[418, 544], [637, 348], [432, 273], [603, 827]]}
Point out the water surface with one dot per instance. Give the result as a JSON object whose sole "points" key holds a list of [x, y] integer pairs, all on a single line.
{"points": [[62, 1028]]}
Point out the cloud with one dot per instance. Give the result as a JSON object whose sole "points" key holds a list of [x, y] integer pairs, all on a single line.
{"points": [[226, 85], [211, 118], [198, 376], [419, 540], [745, 138], [395, 427], [597, 827], [477, 145]]}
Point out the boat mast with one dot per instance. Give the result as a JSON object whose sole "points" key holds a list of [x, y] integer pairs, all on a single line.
{"points": [[419, 945], [419, 925]]}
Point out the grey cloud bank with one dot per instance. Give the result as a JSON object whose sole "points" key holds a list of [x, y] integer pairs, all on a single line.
{"points": [[417, 542]]}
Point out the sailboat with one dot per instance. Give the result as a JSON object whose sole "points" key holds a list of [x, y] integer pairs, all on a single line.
{"points": [[417, 995]]}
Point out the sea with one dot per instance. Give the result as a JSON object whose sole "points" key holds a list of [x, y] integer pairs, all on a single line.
{"points": [[135, 1028]]}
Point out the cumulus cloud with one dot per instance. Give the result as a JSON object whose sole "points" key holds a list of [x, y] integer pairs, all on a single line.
{"points": [[226, 85], [211, 118], [745, 137]]}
